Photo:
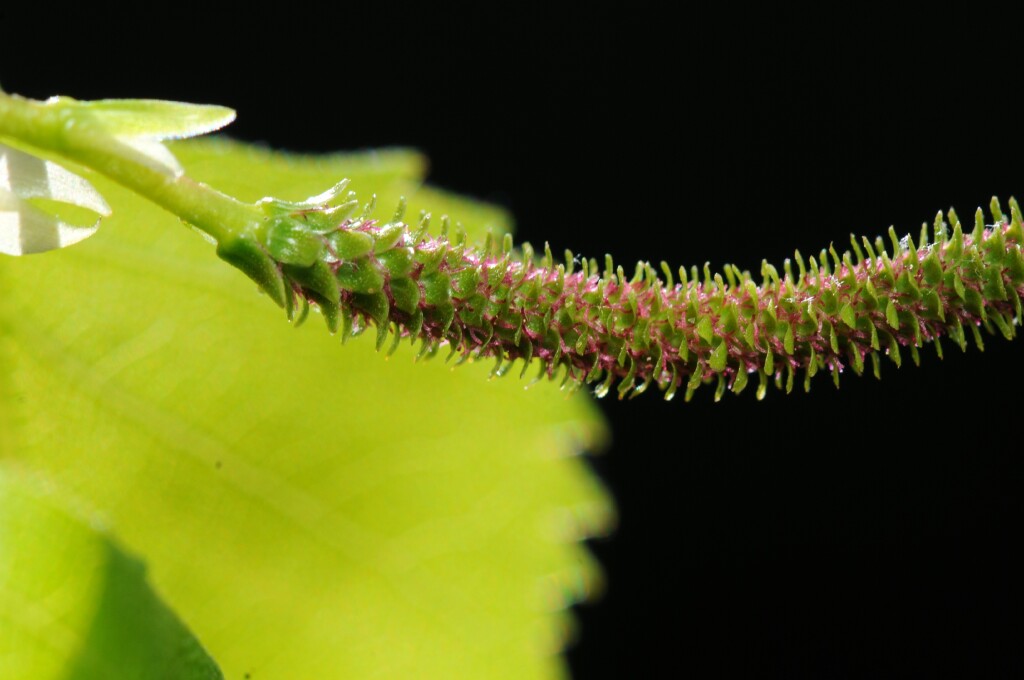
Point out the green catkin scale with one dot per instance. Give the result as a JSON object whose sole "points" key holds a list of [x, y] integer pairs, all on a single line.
{"points": [[840, 313]]}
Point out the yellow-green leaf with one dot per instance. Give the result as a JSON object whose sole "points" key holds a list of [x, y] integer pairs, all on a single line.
{"points": [[73, 605], [312, 510]]}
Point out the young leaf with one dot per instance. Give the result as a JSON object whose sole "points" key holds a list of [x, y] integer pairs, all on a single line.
{"points": [[152, 119]]}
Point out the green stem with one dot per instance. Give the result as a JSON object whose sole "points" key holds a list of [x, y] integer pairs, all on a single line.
{"points": [[49, 127]]}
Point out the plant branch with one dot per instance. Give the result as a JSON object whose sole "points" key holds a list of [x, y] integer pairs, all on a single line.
{"points": [[834, 312]]}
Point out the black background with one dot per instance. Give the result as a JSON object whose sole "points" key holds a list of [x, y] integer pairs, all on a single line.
{"points": [[865, 532]]}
